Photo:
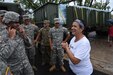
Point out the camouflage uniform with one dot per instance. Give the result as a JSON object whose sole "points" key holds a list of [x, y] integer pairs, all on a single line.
{"points": [[2, 12], [57, 37], [12, 51], [2, 26], [4, 69], [30, 30], [45, 46], [3, 32]]}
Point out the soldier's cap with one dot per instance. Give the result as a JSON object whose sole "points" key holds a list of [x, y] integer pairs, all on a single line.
{"points": [[46, 21], [11, 16], [2, 12], [26, 17], [56, 20], [80, 23]]}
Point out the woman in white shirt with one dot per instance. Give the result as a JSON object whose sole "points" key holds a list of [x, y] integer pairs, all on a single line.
{"points": [[79, 50]]}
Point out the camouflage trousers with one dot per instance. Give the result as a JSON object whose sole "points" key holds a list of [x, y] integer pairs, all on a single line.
{"points": [[26, 69], [57, 55], [31, 54], [45, 53]]}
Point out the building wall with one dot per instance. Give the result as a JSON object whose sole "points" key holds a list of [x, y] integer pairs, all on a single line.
{"points": [[48, 11]]}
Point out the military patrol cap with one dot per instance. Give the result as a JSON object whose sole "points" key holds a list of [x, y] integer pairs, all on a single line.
{"points": [[46, 21], [56, 20], [26, 17], [11, 16], [2, 12]]}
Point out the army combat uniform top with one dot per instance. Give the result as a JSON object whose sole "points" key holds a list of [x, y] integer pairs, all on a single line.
{"points": [[30, 30], [12, 52], [56, 34]]}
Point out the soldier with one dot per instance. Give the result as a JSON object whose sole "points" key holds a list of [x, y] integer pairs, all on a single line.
{"points": [[56, 38], [44, 40], [4, 69], [2, 12], [30, 30], [2, 26], [12, 49]]}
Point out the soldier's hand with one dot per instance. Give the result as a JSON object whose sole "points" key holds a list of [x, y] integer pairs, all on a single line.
{"points": [[51, 46], [22, 32], [11, 32], [34, 42]]}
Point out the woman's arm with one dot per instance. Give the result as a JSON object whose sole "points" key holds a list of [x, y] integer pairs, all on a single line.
{"points": [[70, 54]]}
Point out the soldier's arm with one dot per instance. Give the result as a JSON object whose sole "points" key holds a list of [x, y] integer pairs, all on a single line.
{"points": [[50, 39], [7, 44], [7, 48], [67, 35], [26, 39], [38, 35], [36, 28]]}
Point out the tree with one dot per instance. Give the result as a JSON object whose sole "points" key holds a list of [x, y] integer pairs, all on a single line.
{"points": [[33, 4], [101, 5], [79, 2]]}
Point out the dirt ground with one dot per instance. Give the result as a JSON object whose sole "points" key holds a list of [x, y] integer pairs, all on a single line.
{"points": [[102, 55]]}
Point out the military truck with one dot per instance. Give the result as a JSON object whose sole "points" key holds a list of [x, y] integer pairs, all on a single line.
{"points": [[12, 7]]}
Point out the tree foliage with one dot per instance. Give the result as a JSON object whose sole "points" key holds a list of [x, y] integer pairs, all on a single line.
{"points": [[33, 4], [101, 5]]}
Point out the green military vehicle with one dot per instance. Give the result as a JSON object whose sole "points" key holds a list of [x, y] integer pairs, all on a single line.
{"points": [[12, 7]]}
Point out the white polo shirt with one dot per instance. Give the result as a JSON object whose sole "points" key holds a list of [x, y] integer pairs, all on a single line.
{"points": [[81, 50]]}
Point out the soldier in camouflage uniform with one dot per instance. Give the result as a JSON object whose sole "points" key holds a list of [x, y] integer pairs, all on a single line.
{"points": [[4, 69], [2, 26], [56, 38], [44, 40], [12, 49], [30, 30]]}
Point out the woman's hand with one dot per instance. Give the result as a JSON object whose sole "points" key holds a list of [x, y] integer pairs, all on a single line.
{"points": [[65, 45]]}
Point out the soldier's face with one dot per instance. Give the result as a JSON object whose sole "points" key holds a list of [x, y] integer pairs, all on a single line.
{"points": [[14, 25], [26, 21], [57, 24], [1, 17], [46, 24]]}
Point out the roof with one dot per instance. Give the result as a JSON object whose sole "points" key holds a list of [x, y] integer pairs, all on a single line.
{"points": [[44, 6], [7, 4]]}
